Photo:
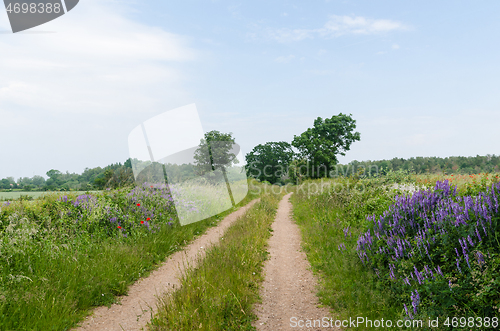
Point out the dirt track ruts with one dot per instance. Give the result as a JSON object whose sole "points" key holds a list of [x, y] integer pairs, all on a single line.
{"points": [[290, 286], [136, 309]]}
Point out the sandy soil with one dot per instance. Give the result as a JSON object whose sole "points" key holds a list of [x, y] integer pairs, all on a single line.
{"points": [[135, 310], [289, 288]]}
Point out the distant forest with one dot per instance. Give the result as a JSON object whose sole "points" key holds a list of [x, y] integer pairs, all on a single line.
{"points": [[98, 178], [433, 165], [116, 175]]}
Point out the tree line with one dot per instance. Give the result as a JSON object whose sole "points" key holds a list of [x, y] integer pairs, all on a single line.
{"points": [[113, 175], [313, 154]]}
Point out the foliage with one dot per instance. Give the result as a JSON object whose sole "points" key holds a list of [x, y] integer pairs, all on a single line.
{"points": [[330, 213], [321, 144], [438, 251], [215, 152], [270, 162], [62, 255], [433, 165], [112, 176]]}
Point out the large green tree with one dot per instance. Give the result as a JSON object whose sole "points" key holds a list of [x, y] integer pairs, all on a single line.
{"points": [[321, 144], [216, 152], [269, 162]]}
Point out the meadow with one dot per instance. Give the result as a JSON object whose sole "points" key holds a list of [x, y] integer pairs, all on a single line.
{"points": [[399, 247], [62, 254], [16, 195], [393, 254]]}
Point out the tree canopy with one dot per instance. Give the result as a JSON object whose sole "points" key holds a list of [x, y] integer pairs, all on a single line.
{"points": [[321, 144], [215, 152], [269, 162]]}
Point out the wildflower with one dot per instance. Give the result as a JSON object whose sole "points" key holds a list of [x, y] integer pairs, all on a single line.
{"points": [[480, 258], [142, 222], [407, 312], [138, 205], [415, 300], [148, 219]]}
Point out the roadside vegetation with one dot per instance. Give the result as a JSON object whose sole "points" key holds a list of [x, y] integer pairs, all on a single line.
{"points": [[401, 247], [220, 292], [61, 255]]}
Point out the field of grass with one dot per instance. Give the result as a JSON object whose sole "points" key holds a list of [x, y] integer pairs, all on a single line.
{"points": [[219, 294], [391, 254], [61, 255], [9, 196]]}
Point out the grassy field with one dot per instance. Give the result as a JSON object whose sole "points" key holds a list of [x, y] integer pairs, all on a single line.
{"points": [[220, 293], [64, 254], [9, 196]]}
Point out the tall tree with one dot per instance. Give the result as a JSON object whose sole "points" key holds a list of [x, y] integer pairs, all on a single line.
{"points": [[321, 144], [270, 161], [216, 151]]}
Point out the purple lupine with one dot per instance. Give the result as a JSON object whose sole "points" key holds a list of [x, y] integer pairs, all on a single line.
{"points": [[415, 301], [458, 266], [391, 273], [480, 258], [470, 240], [408, 313], [347, 232]]}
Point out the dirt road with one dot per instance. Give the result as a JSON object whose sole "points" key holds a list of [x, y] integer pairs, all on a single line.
{"points": [[136, 309], [288, 293]]}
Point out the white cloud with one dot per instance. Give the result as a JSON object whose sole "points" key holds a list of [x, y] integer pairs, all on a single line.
{"points": [[395, 46], [73, 95], [96, 60], [285, 59], [338, 26]]}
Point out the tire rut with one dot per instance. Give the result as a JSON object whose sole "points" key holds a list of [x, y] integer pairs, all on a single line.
{"points": [[289, 288]]}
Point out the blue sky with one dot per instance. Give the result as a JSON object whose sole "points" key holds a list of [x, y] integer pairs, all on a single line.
{"points": [[420, 78]]}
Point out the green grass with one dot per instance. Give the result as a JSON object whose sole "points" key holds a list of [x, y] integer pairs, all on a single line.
{"points": [[345, 285], [52, 274], [35, 195], [220, 292]]}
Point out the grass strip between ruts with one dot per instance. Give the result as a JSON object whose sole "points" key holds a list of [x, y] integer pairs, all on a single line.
{"points": [[220, 292]]}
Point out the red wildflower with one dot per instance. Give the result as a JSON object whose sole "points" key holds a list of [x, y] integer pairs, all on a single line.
{"points": [[119, 227], [142, 222], [148, 219], [138, 205]]}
